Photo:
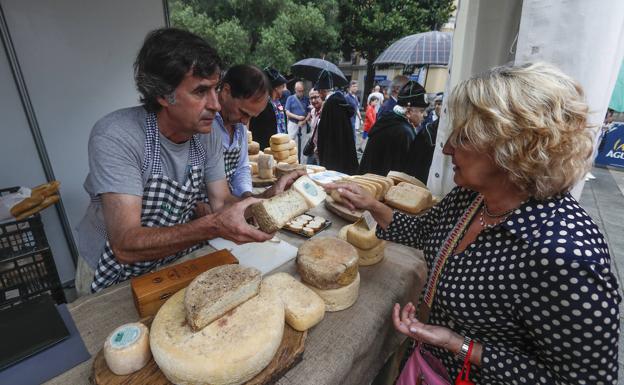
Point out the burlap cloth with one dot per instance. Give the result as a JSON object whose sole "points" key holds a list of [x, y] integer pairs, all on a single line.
{"points": [[347, 347]]}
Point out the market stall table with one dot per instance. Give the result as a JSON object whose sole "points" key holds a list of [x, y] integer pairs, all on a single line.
{"points": [[347, 347]]}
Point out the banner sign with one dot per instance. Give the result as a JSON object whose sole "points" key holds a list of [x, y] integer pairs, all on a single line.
{"points": [[611, 152]]}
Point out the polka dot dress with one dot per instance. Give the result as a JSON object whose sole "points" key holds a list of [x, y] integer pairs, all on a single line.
{"points": [[536, 291]]}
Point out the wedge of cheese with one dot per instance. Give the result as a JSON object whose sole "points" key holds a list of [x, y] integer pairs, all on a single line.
{"points": [[231, 350], [272, 214], [327, 263], [216, 291], [366, 257], [360, 236], [340, 298], [302, 306], [313, 193]]}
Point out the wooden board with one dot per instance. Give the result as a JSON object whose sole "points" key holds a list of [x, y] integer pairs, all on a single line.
{"points": [[289, 353], [342, 211], [257, 182]]}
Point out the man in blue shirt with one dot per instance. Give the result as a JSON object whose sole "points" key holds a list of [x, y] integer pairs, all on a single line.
{"points": [[243, 95]]}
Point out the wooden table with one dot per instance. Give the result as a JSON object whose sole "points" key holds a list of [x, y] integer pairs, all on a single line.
{"points": [[347, 347]]}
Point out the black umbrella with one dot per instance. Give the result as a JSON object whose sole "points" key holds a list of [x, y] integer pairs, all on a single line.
{"points": [[311, 69], [422, 48]]}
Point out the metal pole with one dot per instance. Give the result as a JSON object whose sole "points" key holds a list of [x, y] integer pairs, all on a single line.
{"points": [[166, 13], [35, 130]]}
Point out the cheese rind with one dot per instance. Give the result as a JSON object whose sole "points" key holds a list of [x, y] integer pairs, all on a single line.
{"points": [[341, 298], [302, 306], [327, 263], [313, 193], [216, 291], [272, 214], [126, 349], [229, 351]]}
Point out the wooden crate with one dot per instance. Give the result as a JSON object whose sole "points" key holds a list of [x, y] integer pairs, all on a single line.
{"points": [[151, 290]]}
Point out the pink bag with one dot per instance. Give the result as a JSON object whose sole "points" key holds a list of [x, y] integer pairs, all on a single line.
{"points": [[422, 368]]}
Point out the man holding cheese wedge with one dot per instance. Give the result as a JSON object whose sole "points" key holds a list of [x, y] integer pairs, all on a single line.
{"points": [[152, 166]]}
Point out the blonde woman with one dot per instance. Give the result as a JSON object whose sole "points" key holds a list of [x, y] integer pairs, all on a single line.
{"points": [[528, 283]]}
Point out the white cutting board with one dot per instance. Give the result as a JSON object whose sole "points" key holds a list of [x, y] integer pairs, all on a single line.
{"points": [[264, 256]]}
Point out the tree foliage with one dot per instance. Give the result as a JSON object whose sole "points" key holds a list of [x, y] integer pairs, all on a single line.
{"points": [[263, 32], [369, 27]]}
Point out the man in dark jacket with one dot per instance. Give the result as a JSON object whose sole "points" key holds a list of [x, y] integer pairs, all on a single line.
{"points": [[393, 143], [272, 120]]}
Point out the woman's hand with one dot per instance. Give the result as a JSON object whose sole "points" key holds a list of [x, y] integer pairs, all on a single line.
{"points": [[406, 323], [353, 196]]}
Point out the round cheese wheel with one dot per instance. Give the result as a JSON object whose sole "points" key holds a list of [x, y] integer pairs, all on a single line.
{"points": [[279, 139], [127, 349], [341, 298], [303, 307], [281, 155], [253, 148], [293, 151], [282, 147], [231, 350], [327, 263], [292, 159], [372, 256]]}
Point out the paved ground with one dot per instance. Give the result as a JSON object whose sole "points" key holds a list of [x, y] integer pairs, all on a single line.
{"points": [[603, 199]]}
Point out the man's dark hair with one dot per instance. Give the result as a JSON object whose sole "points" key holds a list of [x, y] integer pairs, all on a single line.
{"points": [[166, 56], [246, 81]]}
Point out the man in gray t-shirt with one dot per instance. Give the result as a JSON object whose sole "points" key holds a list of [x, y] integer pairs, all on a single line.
{"points": [[156, 174]]}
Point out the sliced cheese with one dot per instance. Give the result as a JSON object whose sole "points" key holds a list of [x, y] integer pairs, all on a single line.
{"points": [[313, 193], [231, 350], [327, 263], [126, 349], [360, 236], [216, 291], [302, 306], [341, 298], [279, 139], [379, 187], [272, 214]]}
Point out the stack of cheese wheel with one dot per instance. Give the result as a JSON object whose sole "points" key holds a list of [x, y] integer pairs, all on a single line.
{"points": [[329, 266], [231, 349], [282, 148], [370, 249], [253, 151]]}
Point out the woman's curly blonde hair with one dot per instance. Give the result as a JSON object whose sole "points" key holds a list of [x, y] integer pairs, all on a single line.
{"points": [[532, 120]]}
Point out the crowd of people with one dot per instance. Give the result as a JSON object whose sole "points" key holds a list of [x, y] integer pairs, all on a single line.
{"points": [[522, 272]]}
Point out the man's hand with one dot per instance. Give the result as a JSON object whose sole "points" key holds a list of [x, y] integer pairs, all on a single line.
{"points": [[230, 224], [283, 183]]}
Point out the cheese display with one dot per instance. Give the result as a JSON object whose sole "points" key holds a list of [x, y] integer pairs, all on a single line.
{"points": [[327, 263], [216, 291], [127, 349], [272, 214], [399, 177], [409, 198], [231, 350], [366, 257], [340, 298], [313, 193], [302, 306], [254, 148]]}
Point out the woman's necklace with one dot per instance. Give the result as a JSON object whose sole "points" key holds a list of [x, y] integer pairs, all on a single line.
{"points": [[490, 225], [490, 215]]}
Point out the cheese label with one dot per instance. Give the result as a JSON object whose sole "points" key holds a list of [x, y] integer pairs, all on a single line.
{"points": [[310, 189], [125, 336], [371, 223]]}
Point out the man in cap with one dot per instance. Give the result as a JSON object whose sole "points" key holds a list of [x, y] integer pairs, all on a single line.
{"points": [[272, 120], [397, 83], [393, 143]]}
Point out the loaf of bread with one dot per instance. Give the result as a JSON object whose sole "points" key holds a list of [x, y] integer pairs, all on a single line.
{"points": [[303, 307], [272, 214], [379, 187], [27, 204], [327, 263], [231, 350], [46, 189], [409, 198], [216, 291], [340, 298], [254, 148], [49, 201]]}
